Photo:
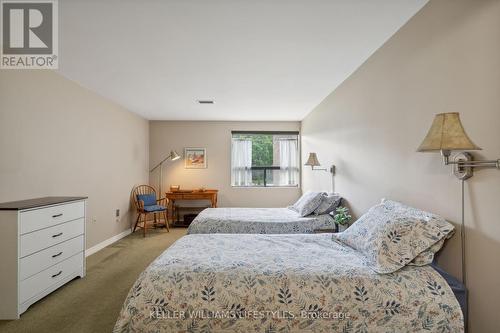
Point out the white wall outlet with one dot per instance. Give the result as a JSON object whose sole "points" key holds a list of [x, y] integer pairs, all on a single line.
{"points": [[117, 215]]}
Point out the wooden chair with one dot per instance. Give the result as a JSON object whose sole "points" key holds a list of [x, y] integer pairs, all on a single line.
{"points": [[144, 211]]}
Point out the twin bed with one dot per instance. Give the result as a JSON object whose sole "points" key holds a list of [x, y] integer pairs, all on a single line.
{"points": [[258, 221], [299, 282], [311, 212]]}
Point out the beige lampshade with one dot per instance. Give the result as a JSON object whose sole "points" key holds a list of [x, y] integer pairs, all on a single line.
{"points": [[174, 156], [312, 160], [447, 133]]}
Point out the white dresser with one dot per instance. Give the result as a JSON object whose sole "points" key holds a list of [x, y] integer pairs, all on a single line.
{"points": [[42, 247]]}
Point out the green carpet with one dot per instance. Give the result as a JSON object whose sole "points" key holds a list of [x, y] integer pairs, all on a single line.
{"points": [[92, 304]]}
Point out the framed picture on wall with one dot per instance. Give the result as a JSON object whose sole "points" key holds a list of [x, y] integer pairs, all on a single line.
{"points": [[195, 158]]}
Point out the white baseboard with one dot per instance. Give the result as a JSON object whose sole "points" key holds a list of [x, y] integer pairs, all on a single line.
{"points": [[107, 242]]}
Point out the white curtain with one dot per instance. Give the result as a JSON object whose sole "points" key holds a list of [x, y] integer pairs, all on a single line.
{"points": [[241, 162], [289, 170]]}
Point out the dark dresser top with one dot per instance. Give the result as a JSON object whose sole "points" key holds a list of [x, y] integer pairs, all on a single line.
{"points": [[37, 202]]}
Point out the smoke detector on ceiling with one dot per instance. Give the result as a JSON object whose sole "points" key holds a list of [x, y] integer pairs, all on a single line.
{"points": [[206, 101]]}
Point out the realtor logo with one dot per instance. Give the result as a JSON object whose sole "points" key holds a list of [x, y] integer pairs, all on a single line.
{"points": [[29, 38]]}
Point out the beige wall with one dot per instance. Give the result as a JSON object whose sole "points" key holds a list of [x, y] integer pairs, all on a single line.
{"points": [[447, 58], [57, 138], [215, 136]]}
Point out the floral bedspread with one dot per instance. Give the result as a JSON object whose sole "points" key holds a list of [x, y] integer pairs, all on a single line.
{"points": [[257, 221], [282, 283]]}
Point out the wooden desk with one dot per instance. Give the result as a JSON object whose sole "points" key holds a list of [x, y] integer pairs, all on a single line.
{"points": [[210, 195]]}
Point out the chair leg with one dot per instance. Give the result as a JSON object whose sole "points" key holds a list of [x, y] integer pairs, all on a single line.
{"points": [[137, 221], [166, 221], [144, 225], [154, 215], [169, 216]]}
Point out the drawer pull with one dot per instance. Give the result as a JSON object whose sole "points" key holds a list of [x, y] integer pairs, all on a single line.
{"points": [[57, 255], [56, 275], [57, 215], [57, 235]]}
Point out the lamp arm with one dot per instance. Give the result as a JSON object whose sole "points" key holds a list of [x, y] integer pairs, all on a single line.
{"points": [[330, 170], [166, 158], [478, 164], [469, 164]]}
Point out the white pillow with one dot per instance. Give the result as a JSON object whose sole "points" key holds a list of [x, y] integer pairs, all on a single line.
{"points": [[307, 203]]}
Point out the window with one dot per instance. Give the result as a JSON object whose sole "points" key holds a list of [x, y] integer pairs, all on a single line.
{"points": [[267, 159]]}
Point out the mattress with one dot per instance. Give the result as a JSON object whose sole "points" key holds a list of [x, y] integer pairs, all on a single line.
{"points": [[283, 283], [257, 221]]}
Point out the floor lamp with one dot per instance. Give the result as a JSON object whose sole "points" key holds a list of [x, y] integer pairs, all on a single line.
{"points": [[447, 134], [172, 156]]}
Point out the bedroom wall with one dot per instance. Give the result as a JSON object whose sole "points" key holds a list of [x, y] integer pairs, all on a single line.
{"points": [[446, 58], [215, 136], [57, 138]]}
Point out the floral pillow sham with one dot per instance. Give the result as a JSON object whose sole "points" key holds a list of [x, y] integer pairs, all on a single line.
{"points": [[329, 202], [391, 235], [427, 256], [307, 203]]}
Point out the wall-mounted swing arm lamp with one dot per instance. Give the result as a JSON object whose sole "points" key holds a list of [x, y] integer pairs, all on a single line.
{"points": [[172, 156], [445, 135], [313, 162]]}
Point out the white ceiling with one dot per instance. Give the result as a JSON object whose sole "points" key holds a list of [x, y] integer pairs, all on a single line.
{"points": [[258, 59]]}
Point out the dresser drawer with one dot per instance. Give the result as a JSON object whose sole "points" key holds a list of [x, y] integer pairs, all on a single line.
{"points": [[37, 283], [46, 217], [39, 261], [42, 239]]}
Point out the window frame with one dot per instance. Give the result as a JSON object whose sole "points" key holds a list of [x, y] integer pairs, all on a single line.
{"points": [[265, 168]]}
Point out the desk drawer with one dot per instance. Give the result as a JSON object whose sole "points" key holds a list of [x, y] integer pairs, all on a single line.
{"points": [[39, 261], [39, 282], [42, 239], [197, 196], [46, 217]]}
